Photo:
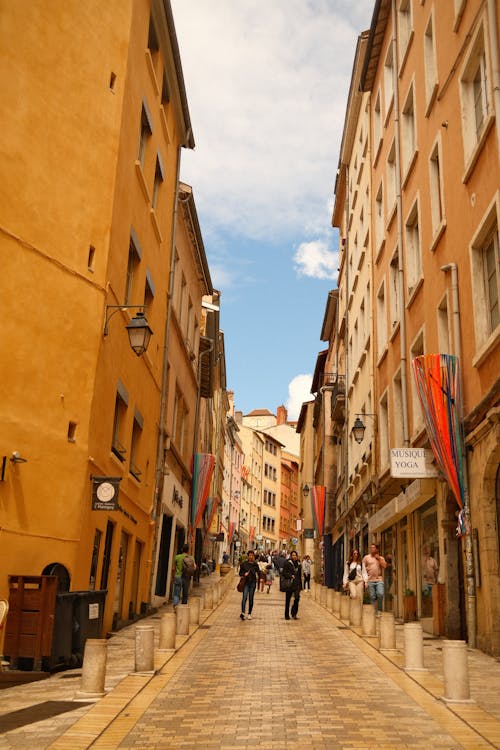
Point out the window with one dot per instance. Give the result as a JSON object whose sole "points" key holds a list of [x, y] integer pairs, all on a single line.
{"points": [[413, 256], [95, 559], [134, 257], [135, 445], [379, 218], [157, 181], [486, 279], [121, 403], [384, 432], [404, 28], [436, 190], [389, 80], [397, 399], [391, 182], [408, 132], [377, 124], [416, 350], [430, 65], [180, 423], [149, 294], [154, 47], [145, 134], [381, 320], [394, 301], [443, 327], [475, 96]]}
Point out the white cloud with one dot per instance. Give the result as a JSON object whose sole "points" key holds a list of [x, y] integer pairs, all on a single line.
{"points": [[314, 259], [266, 87], [299, 390]]}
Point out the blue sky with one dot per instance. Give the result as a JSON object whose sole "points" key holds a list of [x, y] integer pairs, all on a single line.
{"points": [[267, 85]]}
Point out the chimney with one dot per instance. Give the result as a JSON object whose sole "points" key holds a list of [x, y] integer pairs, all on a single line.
{"points": [[281, 415], [238, 417]]}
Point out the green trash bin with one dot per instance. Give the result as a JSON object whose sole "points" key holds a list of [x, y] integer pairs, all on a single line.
{"points": [[62, 640], [88, 615]]}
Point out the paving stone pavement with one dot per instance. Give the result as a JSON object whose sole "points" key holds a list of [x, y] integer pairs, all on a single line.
{"points": [[264, 684]]}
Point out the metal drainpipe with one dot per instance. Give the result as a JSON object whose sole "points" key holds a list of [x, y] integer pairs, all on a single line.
{"points": [[159, 473], [399, 211], [469, 556], [492, 25]]}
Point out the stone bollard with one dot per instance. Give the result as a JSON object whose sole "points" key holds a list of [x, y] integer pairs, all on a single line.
{"points": [[355, 612], [329, 599], [182, 619], [337, 596], [456, 672], [368, 620], [215, 594], [414, 647], [387, 631], [345, 606], [322, 596], [93, 669], [167, 631], [144, 648], [194, 610], [209, 599]]}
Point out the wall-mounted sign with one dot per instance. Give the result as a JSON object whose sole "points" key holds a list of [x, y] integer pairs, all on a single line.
{"points": [[308, 533], [105, 493], [413, 463]]}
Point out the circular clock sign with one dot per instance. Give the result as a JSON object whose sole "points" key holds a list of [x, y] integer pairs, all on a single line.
{"points": [[105, 492]]}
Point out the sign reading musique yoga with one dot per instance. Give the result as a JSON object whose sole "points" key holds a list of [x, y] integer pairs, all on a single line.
{"points": [[413, 463]]}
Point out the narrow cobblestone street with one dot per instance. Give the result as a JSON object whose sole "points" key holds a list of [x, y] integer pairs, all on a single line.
{"points": [[267, 684]]}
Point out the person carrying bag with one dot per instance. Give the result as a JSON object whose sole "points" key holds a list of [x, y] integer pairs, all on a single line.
{"points": [[291, 584]]}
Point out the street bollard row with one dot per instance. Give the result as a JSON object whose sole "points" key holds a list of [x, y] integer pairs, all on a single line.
{"points": [[171, 625], [356, 614]]}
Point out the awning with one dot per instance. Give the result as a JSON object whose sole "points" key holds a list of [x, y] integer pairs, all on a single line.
{"points": [[416, 494]]}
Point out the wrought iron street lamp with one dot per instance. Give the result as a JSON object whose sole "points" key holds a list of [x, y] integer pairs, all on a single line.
{"points": [[139, 332]]}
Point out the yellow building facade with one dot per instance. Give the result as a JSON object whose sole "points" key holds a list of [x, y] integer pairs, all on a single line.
{"points": [[95, 115]]}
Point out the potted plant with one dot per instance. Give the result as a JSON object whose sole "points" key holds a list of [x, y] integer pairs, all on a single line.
{"points": [[409, 605]]}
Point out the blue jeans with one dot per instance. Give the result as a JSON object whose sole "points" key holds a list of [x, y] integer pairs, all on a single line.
{"points": [[376, 591], [248, 593], [181, 584]]}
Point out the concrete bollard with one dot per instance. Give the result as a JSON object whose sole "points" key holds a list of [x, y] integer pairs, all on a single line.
{"points": [[182, 619], [322, 596], [144, 648], [337, 596], [368, 620], [194, 610], [414, 647], [329, 599], [93, 669], [345, 606], [456, 672], [209, 599], [387, 631], [355, 612], [167, 631]]}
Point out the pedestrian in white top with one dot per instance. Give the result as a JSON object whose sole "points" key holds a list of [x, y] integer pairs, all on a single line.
{"points": [[355, 576]]}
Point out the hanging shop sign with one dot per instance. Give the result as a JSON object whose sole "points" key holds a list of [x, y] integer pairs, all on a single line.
{"points": [[413, 463], [105, 493], [308, 533]]}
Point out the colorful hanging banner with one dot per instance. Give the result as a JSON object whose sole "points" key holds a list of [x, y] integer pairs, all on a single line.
{"points": [[318, 502], [251, 534], [210, 509], [438, 383], [203, 468], [231, 531]]}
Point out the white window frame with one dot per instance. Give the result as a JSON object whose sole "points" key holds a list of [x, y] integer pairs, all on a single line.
{"points": [[486, 334], [430, 64], [413, 249]]}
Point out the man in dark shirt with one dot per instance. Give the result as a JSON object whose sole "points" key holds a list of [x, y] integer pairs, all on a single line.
{"points": [[250, 569]]}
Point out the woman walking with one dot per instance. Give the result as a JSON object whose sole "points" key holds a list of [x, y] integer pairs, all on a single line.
{"points": [[250, 569], [292, 572], [355, 576]]}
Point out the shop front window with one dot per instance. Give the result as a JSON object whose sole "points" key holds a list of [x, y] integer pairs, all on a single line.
{"points": [[388, 552]]}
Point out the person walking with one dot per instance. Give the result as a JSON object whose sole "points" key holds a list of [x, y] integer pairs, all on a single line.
{"points": [[374, 565], [306, 569], [269, 577], [292, 571], [355, 576], [262, 563], [185, 567], [250, 569]]}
